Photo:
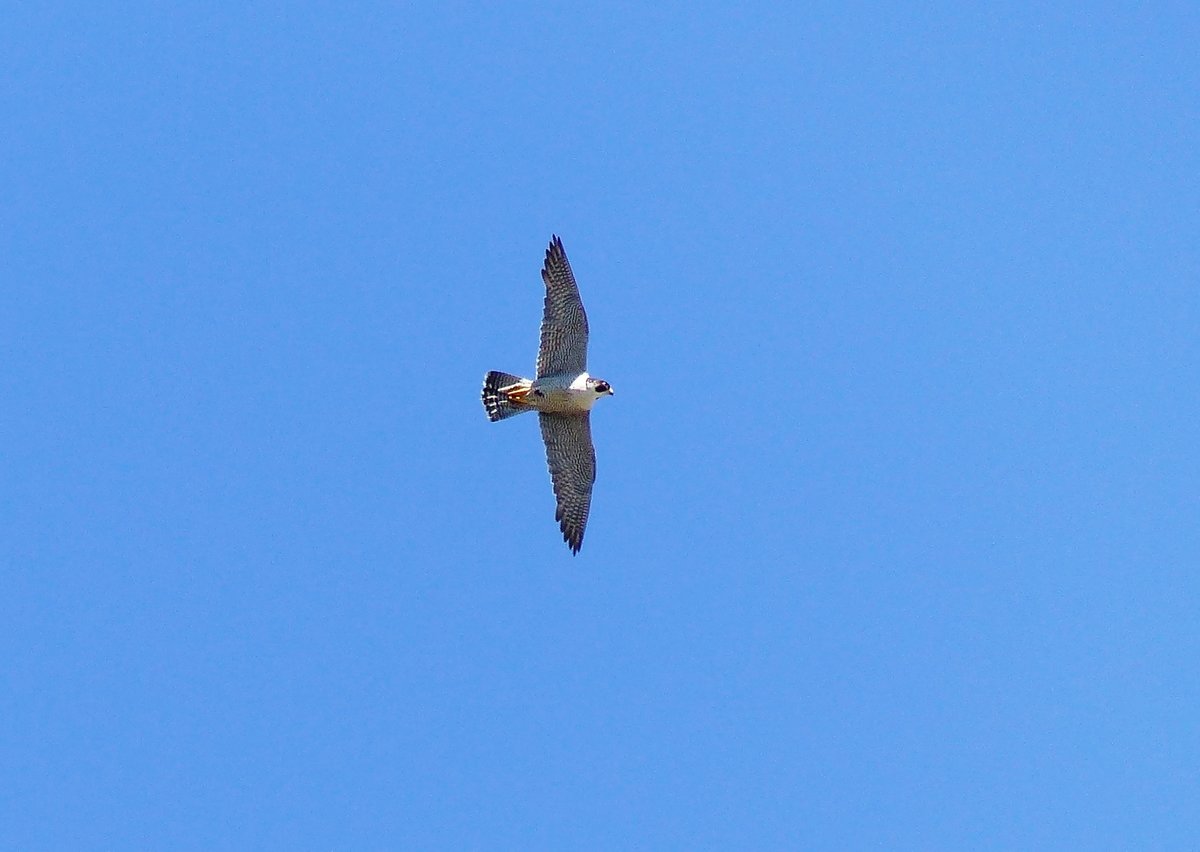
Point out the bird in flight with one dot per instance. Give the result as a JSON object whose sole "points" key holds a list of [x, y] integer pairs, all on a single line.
{"points": [[562, 394]]}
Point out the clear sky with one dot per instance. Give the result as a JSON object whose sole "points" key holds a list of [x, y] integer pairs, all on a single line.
{"points": [[895, 539]]}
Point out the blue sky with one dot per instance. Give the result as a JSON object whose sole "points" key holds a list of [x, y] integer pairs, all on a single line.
{"points": [[895, 536]]}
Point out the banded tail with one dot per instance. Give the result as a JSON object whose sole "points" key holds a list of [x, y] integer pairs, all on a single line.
{"points": [[495, 396]]}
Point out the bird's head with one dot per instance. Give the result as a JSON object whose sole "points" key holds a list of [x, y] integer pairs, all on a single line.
{"points": [[600, 387]]}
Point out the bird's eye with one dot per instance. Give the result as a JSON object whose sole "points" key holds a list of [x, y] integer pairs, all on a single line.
{"points": [[602, 387]]}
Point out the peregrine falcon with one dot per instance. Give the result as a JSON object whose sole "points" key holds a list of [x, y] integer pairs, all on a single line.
{"points": [[562, 394]]}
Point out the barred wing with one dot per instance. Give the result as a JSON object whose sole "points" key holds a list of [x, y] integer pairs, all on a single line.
{"points": [[564, 324], [572, 461]]}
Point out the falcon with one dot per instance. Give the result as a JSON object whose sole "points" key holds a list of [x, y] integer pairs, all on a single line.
{"points": [[562, 394]]}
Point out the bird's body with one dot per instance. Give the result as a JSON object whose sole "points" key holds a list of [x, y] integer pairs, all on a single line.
{"points": [[557, 394], [563, 395]]}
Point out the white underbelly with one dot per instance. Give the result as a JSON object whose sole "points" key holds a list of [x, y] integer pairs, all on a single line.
{"points": [[562, 400]]}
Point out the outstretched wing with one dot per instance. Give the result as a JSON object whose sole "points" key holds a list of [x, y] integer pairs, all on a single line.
{"points": [[564, 324], [572, 463]]}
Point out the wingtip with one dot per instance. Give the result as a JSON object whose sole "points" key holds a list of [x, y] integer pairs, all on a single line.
{"points": [[556, 255], [574, 541]]}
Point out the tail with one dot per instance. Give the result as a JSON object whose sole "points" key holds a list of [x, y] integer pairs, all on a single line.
{"points": [[495, 400]]}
